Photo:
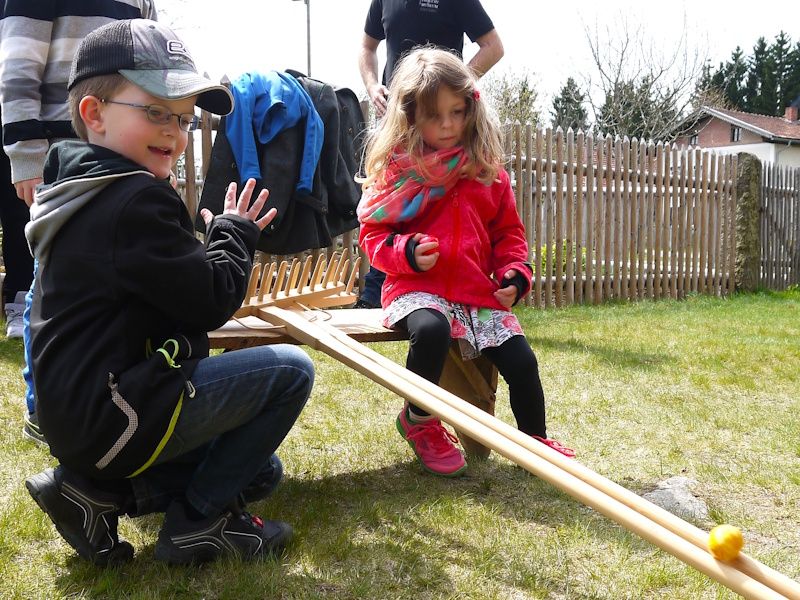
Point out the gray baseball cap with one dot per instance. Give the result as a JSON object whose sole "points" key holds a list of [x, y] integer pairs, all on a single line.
{"points": [[151, 56]]}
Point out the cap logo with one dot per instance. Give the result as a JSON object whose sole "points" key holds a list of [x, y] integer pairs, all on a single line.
{"points": [[177, 47]]}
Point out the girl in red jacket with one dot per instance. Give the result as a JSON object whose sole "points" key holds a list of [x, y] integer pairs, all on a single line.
{"points": [[438, 217]]}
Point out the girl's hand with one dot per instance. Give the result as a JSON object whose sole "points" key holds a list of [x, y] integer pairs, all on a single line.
{"points": [[427, 251], [506, 295], [242, 207]]}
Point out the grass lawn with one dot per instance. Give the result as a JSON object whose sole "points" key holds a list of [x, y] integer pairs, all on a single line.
{"points": [[705, 388]]}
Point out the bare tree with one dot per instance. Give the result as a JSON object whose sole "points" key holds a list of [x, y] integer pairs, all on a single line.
{"points": [[637, 90], [513, 96]]}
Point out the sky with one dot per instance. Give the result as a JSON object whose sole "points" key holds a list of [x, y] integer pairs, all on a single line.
{"points": [[547, 41]]}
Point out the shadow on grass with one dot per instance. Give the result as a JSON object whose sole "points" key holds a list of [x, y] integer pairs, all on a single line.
{"points": [[376, 533], [608, 354]]}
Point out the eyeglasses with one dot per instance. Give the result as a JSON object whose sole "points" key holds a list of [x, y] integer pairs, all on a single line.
{"points": [[160, 115]]}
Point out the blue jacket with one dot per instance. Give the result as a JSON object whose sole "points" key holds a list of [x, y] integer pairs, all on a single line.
{"points": [[266, 104]]}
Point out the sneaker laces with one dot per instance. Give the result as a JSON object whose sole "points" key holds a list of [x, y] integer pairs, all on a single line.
{"points": [[438, 439], [14, 311], [556, 445], [237, 509]]}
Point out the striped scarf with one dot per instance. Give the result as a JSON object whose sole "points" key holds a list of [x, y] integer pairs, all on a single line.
{"points": [[404, 192]]}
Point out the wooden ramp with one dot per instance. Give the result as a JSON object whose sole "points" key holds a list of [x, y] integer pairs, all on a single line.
{"points": [[290, 311]]}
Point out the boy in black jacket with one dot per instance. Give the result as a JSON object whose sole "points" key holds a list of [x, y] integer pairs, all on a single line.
{"points": [[139, 416]]}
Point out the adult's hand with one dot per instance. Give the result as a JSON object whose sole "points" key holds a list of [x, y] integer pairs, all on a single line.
{"points": [[379, 95], [26, 188], [242, 206]]}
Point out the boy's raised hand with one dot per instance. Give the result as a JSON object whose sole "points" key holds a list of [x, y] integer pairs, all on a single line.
{"points": [[242, 206]]}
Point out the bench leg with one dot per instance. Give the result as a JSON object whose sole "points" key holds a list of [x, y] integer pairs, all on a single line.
{"points": [[474, 381]]}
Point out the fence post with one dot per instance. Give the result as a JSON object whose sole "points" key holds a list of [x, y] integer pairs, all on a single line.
{"points": [[748, 205]]}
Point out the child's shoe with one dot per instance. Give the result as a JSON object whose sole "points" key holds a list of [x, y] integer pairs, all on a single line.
{"points": [[84, 516], [183, 541], [433, 445], [556, 445]]}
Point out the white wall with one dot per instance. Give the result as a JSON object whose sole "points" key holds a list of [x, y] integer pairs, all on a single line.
{"points": [[774, 153]]}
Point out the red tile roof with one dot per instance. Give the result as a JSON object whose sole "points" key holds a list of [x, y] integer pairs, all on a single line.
{"points": [[764, 125]]}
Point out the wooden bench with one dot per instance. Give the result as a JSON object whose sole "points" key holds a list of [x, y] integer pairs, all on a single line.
{"points": [[474, 380]]}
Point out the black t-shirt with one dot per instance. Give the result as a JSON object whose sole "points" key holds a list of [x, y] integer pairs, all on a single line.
{"points": [[405, 24]]}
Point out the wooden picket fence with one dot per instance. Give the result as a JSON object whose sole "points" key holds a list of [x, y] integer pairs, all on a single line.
{"points": [[617, 218], [605, 218], [780, 226]]}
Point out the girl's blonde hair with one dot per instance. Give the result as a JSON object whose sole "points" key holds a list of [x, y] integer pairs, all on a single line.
{"points": [[415, 84]]}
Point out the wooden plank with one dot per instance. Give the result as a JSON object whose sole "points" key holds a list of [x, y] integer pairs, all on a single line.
{"points": [[559, 217], [686, 221], [580, 203], [528, 210], [537, 222], [190, 193], [702, 242], [518, 166], [548, 220], [570, 209], [663, 256], [590, 204], [658, 220], [641, 223], [696, 221], [719, 187], [609, 230], [733, 170], [618, 219], [675, 221], [648, 212], [597, 272]]}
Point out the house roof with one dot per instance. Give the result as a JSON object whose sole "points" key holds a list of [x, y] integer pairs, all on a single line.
{"points": [[775, 129]]}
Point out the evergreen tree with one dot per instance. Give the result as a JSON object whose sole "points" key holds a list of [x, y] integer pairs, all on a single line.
{"points": [[765, 82], [793, 78], [568, 107], [762, 83]]}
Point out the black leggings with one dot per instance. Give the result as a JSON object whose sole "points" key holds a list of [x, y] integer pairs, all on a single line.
{"points": [[429, 332]]}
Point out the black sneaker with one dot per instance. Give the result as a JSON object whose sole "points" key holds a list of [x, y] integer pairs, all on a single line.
{"points": [[84, 516], [30, 429], [364, 304], [182, 541]]}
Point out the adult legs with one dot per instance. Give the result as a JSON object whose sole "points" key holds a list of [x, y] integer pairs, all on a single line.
{"points": [[370, 296]]}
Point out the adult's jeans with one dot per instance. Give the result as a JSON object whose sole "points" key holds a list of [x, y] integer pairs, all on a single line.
{"points": [[373, 282], [245, 403]]}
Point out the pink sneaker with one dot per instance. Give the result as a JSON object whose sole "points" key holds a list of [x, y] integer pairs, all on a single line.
{"points": [[433, 445], [556, 445]]}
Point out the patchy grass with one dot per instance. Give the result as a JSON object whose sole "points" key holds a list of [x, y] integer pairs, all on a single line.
{"points": [[706, 388]]}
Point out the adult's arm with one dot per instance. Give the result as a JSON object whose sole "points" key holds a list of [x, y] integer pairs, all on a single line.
{"points": [[25, 32], [489, 53], [368, 67]]}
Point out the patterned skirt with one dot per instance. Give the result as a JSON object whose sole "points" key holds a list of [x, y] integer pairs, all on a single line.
{"points": [[474, 328]]}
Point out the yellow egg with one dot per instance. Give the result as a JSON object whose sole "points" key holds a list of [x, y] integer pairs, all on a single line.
{"points": [[725, 542]]}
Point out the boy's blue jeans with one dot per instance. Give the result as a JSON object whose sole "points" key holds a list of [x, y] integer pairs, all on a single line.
{"points": [[246, 402]]}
